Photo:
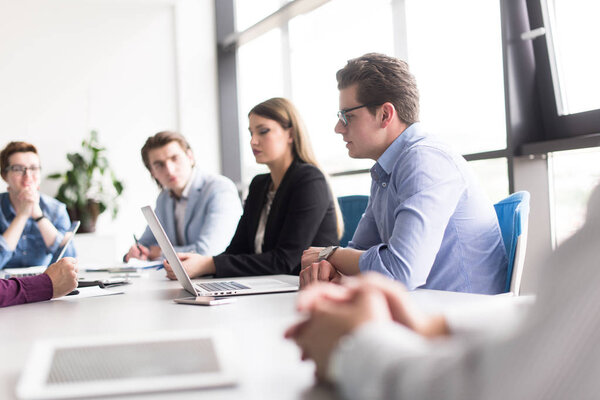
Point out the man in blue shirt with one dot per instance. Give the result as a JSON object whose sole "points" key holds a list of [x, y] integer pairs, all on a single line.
{"points": [[198, 211], [428, 223], [32, 225]]}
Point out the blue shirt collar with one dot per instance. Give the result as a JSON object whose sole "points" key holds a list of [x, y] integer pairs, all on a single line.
{"points": [[391, 154], [383, 167]]}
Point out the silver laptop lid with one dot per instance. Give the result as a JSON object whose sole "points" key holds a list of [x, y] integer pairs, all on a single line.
{"points": [[67, 239], [167, 249]]}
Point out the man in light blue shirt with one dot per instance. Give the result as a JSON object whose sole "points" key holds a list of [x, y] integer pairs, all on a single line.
{"points": [[428, 224], [198, 211]]}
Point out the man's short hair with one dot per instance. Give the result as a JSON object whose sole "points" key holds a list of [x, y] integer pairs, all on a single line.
{"points": [[381, 79], [162, 139], [12, 148]]}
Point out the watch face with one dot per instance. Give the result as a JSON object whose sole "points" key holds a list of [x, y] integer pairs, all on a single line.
{"points": [[324, 253]]}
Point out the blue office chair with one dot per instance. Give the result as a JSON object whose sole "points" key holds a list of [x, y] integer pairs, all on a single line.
{"points": [[353, 207], [513, 217]]}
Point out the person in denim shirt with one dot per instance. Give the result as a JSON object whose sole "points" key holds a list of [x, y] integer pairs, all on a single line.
{"points": [[32, 225]]}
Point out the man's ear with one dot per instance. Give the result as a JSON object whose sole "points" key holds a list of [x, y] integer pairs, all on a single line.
{"points": [[190, 155], [387, 114]]}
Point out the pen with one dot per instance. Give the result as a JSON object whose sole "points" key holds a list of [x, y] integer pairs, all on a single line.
{"points": [[137, 243]]}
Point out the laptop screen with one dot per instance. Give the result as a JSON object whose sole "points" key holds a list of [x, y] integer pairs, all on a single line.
{"points": [[69, 234]]}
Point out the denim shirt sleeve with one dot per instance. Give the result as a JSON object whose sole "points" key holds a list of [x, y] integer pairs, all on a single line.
{"points": [[5, 252], [56, 212], [424, 192]]}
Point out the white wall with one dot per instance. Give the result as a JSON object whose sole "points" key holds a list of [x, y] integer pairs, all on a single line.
{"points": [[126, 68]]}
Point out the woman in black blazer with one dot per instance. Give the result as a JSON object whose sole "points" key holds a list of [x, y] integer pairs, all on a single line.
{"points": [[286, 211]]}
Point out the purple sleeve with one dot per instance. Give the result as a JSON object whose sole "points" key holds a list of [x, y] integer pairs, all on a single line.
{"points": [[28, 289]]}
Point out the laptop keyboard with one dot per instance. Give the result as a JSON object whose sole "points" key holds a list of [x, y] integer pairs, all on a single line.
{"points": [[220, 286]]}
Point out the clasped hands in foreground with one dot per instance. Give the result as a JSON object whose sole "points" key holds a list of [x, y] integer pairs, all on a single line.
{"points": [[336, 310]]}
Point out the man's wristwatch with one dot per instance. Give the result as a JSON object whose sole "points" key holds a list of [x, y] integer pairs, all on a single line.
{"points": [[326, 252]]}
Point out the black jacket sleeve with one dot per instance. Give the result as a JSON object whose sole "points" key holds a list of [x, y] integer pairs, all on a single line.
{"points": [[302, 215]]}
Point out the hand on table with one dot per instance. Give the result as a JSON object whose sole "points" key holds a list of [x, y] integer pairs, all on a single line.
{"points": [[310, 256], [138, 251], [334, 311], [194, 264], [319, 271], [337, 310], [63, 275]]}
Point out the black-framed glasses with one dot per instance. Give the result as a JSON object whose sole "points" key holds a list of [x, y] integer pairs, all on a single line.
{"points": [[342, 113], [21, 169]]}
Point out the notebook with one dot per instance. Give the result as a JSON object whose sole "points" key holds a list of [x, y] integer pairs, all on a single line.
{"points": [[215, 287], [57, 255], [91, 366]]}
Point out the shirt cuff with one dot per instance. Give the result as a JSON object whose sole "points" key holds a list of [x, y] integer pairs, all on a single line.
{"points": [[495, 316], [37, 288], [359, 361], [59, 238], [370, 260], [4, 244]]}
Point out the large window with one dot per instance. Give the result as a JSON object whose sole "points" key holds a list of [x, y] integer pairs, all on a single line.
{"points": [[260, 76], [574, 174], [455, 52], [573, 35]]}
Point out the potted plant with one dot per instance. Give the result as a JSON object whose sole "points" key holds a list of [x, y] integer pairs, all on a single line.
{"points": [[90, 187]]}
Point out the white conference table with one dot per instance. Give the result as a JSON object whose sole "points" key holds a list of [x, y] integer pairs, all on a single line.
{"points": [[270, 366]]}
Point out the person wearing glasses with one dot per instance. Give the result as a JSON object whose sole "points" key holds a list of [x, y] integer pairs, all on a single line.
{"points": [[199, 211], [32, 225], [428, 223], [287, 209]]}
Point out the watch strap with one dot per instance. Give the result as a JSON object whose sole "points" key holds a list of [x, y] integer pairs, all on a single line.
{"points": [[327, 252]]}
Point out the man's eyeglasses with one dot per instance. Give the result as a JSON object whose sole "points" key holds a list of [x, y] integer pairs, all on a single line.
{"points": [[342, 113], [21, 169]]}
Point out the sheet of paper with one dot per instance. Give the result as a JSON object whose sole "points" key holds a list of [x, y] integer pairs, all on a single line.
{"points": [[92, 291], [132, 266]]}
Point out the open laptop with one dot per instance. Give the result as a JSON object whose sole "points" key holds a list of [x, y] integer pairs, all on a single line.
{"points": [[215, 287], [57, 255], [74, 368]]}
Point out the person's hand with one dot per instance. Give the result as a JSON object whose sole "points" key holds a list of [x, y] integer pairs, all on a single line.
{"points": [[155, 253], [310, 256], [194, 264], [138, 251], [321, 271], [338, 312], [401, 306], [25, 200], [63, 275]]}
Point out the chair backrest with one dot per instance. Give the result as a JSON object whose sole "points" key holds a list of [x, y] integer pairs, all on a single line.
{"points": [[513, 217], [353, 208]]}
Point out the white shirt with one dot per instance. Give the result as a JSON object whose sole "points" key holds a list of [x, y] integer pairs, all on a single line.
{"points": [[259, 239], [555, 354], [180, 206]]}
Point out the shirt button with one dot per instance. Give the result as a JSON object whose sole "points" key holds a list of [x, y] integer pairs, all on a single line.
{"points": [[24, 236], [384, 184], [25, 253]]}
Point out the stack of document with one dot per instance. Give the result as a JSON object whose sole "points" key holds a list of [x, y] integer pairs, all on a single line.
{"points": [[133, 265]]}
